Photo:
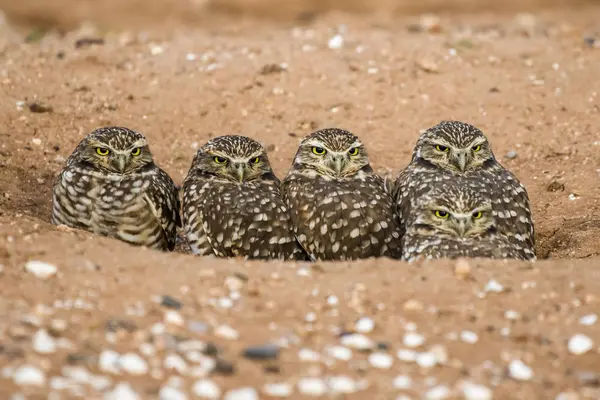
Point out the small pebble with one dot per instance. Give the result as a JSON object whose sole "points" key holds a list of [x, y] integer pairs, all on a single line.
{"points": [[412, 339], [589, 319], [437, 393], [278, 389], [171, 393], [43, 343], [358, 341], [342, 384], [493, 286], [407, 355], [519, 371], [426, 360], [472, 391], [308, 355], [27, 375], [133, 364], [332, 300], [173, 318], [206, 389], [402, 382], [245, 393], [364, 325], [336, 42], [41, 269], [312, 386], [340, 352], [469, 337], [512, 315], [580, 344], [227, 332], [122, 391], [170, 302], [264, 352], [36, 141], [381, 360], [511, 155], [175, 362], [197, 327]]}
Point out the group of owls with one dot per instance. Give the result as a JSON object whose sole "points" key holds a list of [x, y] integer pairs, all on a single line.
{"points": [[453, 199]]}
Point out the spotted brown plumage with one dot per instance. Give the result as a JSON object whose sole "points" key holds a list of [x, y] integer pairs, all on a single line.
{"points": [[340, 208], [451, 220], [459, 152], [232, 205], [111, 186]]}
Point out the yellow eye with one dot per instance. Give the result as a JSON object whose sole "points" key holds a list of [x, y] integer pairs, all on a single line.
{"points": [[220, 160], [441, 148], [441, 214], [256, 160], [353, 151], [102, 151], [319, 151], [476, 148], [136, 152], [477, 215]]}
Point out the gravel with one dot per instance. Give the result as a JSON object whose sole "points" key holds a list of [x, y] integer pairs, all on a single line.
{"points": [[40, 269], [519, 371], [580, 344], [206, 389], [28, 375], [264, 352], [312, 386]]}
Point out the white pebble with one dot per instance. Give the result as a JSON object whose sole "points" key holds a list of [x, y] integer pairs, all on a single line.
{"points": [[580, 344], [36, 141], [406, 355], [147, 349], [173, 318], [278, 389], [426, 360], [206, 389], [493, 286], [589, 319], [310, 317], [469, 337], [227, 332], [123, 391], [438, 393], [364, 325], [43, 343], [332, 300], [336, 42], [402, 382], [412, 339], [308, 355], [245, 393], [171, 393], [312, 386], [175, 362], [511, 314], [108, 361], [28, 375], [133, 364], [41, 269], [472, 391], [519, 371], [341, 384], [381, 360], [357, 341], [225, 302], [340, 352]]}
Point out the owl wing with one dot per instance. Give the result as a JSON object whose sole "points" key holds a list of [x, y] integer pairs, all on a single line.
{"points": [[163, 200]]}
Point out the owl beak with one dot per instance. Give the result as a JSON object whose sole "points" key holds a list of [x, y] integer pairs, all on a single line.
{"points": [[462, 227], [338, 164], [240, 169], [460, 160], [120, 162]]}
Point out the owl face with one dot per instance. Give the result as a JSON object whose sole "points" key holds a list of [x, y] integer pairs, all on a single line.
{"points": [[115, 149], [454, 211], [455, 146], [233, 158], [332, 153]]}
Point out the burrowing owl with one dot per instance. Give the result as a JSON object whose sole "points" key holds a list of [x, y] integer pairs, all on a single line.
{"points": [[340, 208], [449, 220], [111, 186], [232, 205], [460, 152]]}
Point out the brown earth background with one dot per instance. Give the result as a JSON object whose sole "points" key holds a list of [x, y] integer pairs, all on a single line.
{"points": [[525, 72]]}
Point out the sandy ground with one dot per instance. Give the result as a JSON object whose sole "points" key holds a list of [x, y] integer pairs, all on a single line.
{"points": [[440, 330]]}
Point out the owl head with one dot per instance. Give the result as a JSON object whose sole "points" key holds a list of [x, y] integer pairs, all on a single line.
{"points": [[453, 210], [233, 158], [332, 153], [113, 149], [454, 146]]}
